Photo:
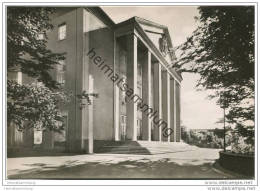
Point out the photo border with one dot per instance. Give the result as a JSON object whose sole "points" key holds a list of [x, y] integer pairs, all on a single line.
{"points": [[19, 182]]}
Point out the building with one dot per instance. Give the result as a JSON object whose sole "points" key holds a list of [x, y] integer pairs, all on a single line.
{"points": [[128, 65]]}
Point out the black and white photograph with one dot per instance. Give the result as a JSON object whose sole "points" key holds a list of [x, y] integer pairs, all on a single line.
{"points": [[129, 92]]}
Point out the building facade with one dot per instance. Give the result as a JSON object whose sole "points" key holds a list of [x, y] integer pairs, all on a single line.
{"points": [[127, 69]]}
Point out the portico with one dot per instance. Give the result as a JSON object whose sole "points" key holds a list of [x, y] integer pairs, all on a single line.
{"points": [[148, 74]]}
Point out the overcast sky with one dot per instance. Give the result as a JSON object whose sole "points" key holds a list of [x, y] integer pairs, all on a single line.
{"points": [[197, 111]]}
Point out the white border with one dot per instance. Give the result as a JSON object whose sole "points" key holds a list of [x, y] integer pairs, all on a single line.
{"points": [[193, 184]]}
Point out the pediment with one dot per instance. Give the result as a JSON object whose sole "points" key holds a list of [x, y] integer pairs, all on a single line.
{"points": [[160, 36]]}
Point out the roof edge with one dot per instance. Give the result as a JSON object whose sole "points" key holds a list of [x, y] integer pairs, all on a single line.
{"points": [[99, 12], [149, 23]]}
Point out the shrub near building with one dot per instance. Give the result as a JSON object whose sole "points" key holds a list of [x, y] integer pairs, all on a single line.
{"points": [[207, 138]]}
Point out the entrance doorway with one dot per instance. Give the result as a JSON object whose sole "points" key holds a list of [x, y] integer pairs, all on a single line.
{"points": [[123, 127], [139, 129]]}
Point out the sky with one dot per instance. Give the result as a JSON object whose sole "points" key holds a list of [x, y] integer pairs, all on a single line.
{"points": [[197, 111]]}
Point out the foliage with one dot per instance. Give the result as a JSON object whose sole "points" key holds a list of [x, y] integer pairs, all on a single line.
{"points": [[25, 49], [220, 132], [34, 106], [206, 138], [246, 133], [221, 51], [241, 145]]}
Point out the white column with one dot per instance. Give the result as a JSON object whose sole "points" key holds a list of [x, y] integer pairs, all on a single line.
{"points": [[146, 95], [157, 115], [90, 120], [178, 117], [172, 111], [149, 93], [116, 113], [164, 106], [175, 109], [168, 104], [160, 99], [131, 129]]}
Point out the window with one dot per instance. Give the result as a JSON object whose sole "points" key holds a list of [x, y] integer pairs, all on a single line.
{"points": [[123, 127], [37, 138], [139, 123], [139, 129], [61, 78], [139, 91], [41, 36], [19, 78], [61, 68], [60, 137], [123, 97], [139, 68], [123, 93], [123, 119], [62, 31]]}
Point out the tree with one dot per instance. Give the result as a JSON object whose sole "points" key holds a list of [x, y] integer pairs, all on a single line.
{"points": [[25, 49], [32, 105], [221, 50]]}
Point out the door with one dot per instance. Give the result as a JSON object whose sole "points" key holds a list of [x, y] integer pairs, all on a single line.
{"points": [[139, 129], [123, 127]]}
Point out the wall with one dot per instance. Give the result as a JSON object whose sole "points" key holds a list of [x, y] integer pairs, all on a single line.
{"points": [[73, 47], [102, 40], [85, 31]]}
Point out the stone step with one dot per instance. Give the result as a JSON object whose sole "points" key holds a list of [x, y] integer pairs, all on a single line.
{"points": [[141, 147], [123, 150]]}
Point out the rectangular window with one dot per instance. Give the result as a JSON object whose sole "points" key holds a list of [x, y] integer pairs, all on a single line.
{"points": [[139, 129], [139, 68], [60, 137], [123, 127], [37, 138], [62, 30], [61, 69], [19, 78], [139, 91], [61, 78], [123, 119], [41, 36]]}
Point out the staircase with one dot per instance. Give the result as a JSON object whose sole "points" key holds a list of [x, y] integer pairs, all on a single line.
{"points": [[142, 147], [123, 147]]}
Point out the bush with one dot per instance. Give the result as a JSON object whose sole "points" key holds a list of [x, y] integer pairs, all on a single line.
{"points": [[207, 138], [34, 106], [240, 139], [239, 145]]}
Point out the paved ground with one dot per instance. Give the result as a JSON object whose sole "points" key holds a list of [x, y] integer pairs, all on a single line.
{"points": [[181, 162]]}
